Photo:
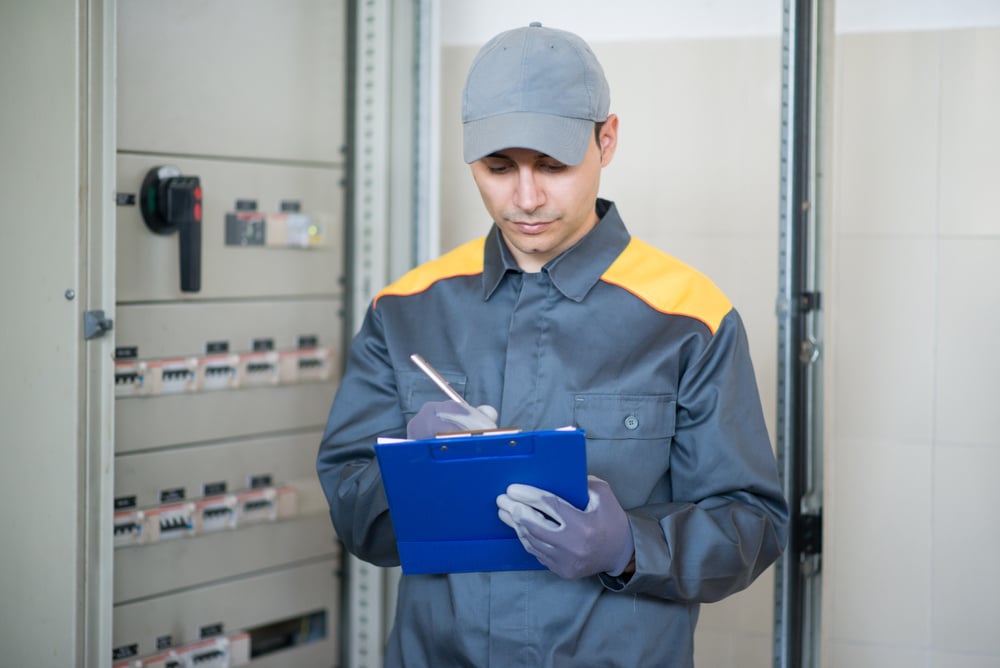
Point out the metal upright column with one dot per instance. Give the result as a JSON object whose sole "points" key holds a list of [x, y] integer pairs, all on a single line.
{"points": [[392, 204], [803, 129], [98, 138]]}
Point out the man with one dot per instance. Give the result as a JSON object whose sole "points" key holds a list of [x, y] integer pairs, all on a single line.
{"points": [[559, 317]]}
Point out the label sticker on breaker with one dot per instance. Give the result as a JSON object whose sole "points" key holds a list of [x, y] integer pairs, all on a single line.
{"points": [[258, 505], [259, 369], [130, 377], [171, 521], [173, 376], [216, 514], [128, 528], [220, 372], [306, 365]]}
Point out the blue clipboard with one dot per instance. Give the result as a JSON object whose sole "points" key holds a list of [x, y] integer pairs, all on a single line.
{"points": [[442, 495]]}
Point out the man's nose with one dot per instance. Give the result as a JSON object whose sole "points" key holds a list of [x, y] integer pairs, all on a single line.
{"points": [[528, 196]]}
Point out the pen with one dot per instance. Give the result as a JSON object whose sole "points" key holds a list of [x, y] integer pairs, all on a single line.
{"points": [[439, 380]]}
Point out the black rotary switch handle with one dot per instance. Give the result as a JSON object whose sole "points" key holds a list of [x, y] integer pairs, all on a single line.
{"points": [[170, 202], [183, 197]]}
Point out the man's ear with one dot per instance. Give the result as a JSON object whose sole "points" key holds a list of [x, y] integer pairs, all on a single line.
{"points": [[608, 139]]}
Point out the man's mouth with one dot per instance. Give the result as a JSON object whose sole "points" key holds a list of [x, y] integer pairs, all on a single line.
{"points": [[531, 227]]}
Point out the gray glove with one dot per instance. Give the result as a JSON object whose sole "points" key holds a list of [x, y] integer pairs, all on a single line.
{"points": [[571, 543], [436, 417]]}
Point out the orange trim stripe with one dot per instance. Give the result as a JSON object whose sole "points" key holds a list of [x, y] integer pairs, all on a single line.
{"points": [[466, 260], [667, 284]]}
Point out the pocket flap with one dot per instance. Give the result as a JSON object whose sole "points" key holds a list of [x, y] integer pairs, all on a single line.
{"points": [[625, 416], [416, 389]]}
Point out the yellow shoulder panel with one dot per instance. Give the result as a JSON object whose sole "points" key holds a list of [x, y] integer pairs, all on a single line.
{"points": [[466, 260], [667, 284]]}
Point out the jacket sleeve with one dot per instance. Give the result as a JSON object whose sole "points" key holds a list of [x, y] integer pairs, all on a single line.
{"points": [[365, 407], [728, 519]]}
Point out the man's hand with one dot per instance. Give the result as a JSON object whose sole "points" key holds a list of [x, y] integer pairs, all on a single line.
{"points": [[572, 543], [436, 417]]}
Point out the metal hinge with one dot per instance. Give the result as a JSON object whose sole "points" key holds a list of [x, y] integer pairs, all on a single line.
{"points": [[809, 534], [810, 301], [95, 324]]}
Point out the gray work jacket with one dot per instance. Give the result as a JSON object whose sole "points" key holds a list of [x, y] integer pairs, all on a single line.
{"points": [[644, 354]]}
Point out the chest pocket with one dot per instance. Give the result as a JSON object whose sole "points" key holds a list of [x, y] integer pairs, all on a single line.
{"points": [[625, 416], [628, 442], [416, 389]]}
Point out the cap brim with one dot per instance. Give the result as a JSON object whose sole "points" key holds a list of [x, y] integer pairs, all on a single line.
{"points": [[565, 139]]}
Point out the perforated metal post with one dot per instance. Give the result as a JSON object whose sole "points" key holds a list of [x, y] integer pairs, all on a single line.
{"points": [[392, 204], [800, 453]]}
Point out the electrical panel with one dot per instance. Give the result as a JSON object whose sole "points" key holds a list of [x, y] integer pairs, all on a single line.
{"points": [[268, 230], [228, 331]]}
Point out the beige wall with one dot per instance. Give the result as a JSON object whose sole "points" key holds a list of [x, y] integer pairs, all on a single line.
{"points": [[913, 444], [912, 308]]}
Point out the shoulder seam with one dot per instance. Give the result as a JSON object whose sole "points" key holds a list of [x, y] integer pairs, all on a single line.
{"points": [[668, 285], [466, 260]]}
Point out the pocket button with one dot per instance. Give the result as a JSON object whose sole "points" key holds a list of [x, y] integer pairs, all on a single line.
{"points": [[631, 422]]}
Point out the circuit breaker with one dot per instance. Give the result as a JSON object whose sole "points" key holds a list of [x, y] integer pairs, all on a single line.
{"points": [[228, 330]]}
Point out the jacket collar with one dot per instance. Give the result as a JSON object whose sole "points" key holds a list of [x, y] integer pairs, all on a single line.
{"points": [[575, 271]]}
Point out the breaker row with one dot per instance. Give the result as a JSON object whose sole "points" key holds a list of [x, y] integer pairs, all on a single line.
{"points": [[142, 378], [265, 618], [223, 652], [207, 515]]}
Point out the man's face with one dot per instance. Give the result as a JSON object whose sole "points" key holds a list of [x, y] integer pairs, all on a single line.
{"points": [[542, 206]]}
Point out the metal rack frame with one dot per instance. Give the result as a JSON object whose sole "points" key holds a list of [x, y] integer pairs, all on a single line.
{"points": [[806, 62]]}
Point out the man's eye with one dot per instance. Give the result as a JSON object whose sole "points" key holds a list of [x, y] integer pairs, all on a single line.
{"points": [[553, 167], [498, 168]]}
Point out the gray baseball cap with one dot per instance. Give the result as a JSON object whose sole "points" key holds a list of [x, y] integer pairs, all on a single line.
{"points": [[537, 88]]}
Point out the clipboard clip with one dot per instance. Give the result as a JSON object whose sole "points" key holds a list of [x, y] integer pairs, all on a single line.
{"points": [[476, 447], [499, 431]]}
